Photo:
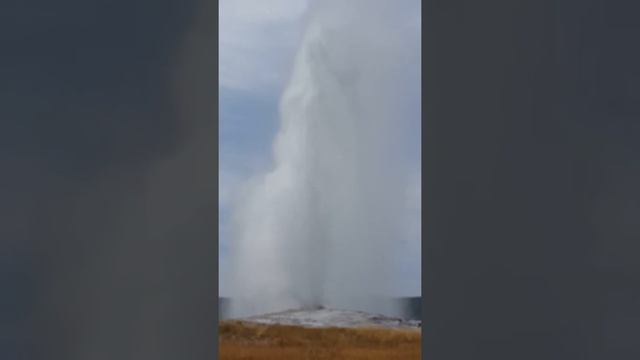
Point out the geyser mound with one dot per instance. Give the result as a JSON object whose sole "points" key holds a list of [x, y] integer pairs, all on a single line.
{"points": [[324, 317]]}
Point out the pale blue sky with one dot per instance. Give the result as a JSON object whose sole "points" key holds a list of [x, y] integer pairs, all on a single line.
{"points": [[257, 43]]}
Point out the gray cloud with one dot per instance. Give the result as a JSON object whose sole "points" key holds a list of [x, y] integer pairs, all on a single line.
{"points": [[257, 41]]}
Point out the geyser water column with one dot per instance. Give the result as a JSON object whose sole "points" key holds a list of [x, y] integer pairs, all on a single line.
{"points": [[321, 227]]}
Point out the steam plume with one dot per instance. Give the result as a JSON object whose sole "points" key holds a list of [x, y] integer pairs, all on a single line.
{"points": [[320, 227]]}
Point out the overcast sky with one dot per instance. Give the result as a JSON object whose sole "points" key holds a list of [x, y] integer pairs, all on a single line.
{"points": [[257, 43]]}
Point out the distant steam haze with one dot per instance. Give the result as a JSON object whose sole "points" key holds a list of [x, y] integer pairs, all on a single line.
{"points": [[323, 226]]}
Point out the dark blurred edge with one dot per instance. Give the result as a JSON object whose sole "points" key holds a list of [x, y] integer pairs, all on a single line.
{"points": [[530, 172], [108, 179]]}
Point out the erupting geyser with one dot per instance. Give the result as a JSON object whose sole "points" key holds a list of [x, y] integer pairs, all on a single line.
{"points": [[320, 227]]}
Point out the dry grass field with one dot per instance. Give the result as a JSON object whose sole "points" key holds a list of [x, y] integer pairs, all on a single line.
{"points": [[240, 340]]}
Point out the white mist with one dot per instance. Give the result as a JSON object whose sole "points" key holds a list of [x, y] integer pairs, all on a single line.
{"points": [[321, 227]]}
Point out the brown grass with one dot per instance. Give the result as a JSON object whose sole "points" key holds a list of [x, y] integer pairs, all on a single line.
{"points": [[240, 340]]}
